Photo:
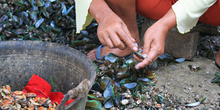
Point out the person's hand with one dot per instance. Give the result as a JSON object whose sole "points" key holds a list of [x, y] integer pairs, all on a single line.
{"points": [[113, 32], [154, 39]]}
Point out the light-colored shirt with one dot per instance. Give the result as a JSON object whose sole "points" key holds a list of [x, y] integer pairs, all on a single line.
{"points": [[83, 17], [187, 13]]}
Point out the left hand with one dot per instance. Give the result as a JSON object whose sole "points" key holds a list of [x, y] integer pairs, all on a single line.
{"points": [[154, 39]]}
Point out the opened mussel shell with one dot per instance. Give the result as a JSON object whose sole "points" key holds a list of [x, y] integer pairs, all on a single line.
{"points": [[93, 105], [139, 54]]}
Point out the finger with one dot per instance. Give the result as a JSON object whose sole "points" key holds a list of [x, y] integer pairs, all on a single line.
{"points": [[145, 52], [125, 35], [108, 41], [128, 34], [102, 41], [152, 56], [116, 41], [144, 63], [137, 58], [147, 46]]}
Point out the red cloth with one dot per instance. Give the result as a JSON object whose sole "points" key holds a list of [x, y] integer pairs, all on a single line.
{"points": [[155, 9], [42, 88]]}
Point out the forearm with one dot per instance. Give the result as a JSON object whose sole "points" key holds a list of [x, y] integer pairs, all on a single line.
{"points": [[99, 9], [168, 20]]}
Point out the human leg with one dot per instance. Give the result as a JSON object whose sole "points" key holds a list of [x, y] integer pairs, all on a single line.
{"points": [[212, 17], [126, 10], [153, 9]]}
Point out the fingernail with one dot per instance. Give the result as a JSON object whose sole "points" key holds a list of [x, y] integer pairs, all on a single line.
{"points": [[135, 48], [136, 44], [132, 38], [137, 67], [144, 55]]}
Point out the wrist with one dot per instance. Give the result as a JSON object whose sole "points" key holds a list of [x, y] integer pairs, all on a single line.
{"points": [[102, 16], [168, 21], [99, 10]]}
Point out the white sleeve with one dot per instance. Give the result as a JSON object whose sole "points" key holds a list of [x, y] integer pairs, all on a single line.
{"points": [[188, 12], [83, 17]]}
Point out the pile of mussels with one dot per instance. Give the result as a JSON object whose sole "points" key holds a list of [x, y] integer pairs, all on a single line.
{"points": [[45, 20], [120, 86]]}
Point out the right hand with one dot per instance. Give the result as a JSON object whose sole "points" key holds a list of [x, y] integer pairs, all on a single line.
{"points": [[113, 32]]}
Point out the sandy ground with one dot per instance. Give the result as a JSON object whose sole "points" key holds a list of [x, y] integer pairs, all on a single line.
{"points": [[178, 79]]}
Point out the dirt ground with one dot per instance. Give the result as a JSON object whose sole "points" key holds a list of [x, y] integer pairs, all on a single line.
{"points": [[178, 79]]}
